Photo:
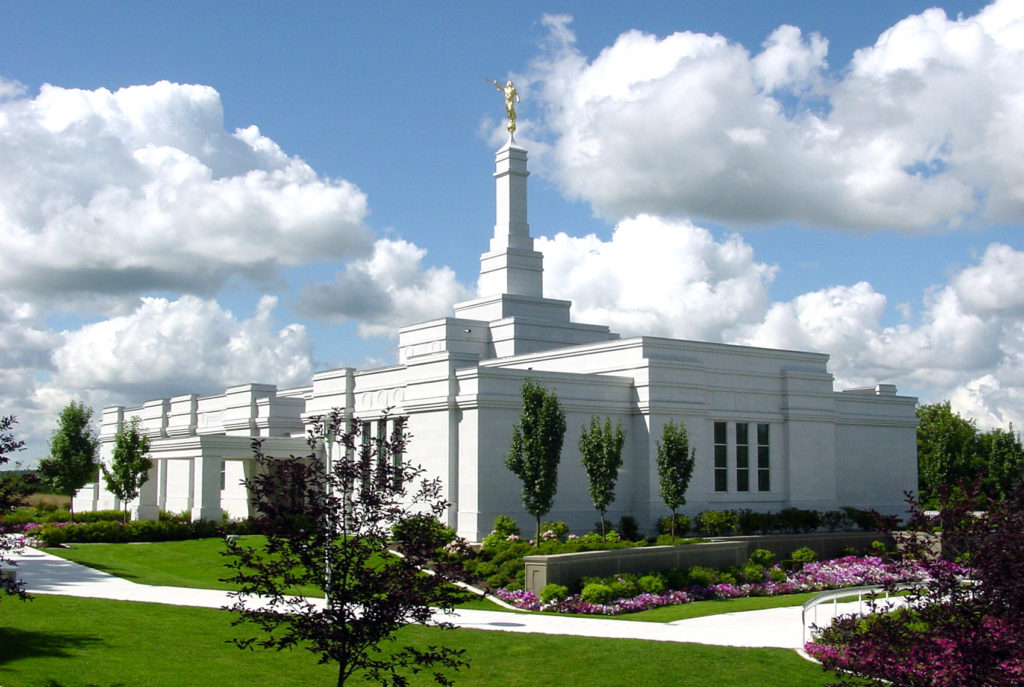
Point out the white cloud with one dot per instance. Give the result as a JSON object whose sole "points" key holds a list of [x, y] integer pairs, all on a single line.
{"points": [[921, 132], [189, 345], [788, 62], [141, 189], [657, 277], [667, 278], [385, 291]]}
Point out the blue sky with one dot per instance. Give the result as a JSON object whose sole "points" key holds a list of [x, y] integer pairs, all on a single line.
{"points": [[213, 193]]}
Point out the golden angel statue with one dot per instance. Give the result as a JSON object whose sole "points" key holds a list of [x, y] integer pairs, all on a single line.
{"points": [[511, 98]]}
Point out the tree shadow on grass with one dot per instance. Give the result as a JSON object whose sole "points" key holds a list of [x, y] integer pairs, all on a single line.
{"points": [[111, 570], [18, 644]]}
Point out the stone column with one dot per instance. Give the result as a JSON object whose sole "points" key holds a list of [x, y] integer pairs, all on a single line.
{"points": [[206, 487], [148, 506]]}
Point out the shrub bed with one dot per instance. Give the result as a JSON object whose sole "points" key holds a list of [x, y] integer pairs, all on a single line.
{"points": [[631, 593], [110, 532], [16, 521], [499, 562]]}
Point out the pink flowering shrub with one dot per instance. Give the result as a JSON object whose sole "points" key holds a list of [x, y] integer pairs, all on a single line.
{"points": [[953, 631]]}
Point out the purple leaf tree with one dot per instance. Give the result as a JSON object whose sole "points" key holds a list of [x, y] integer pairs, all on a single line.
{"points": [[327, 520]]}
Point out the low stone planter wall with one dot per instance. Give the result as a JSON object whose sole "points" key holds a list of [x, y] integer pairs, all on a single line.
{"points": [[568, 568], [825, 544]]}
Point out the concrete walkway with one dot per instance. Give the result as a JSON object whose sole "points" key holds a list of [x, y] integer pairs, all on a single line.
{"points": [[45, 573]]}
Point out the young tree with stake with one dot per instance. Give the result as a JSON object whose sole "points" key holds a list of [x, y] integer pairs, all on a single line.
{"points": [[601, 448], [129, 469], [675, 467], [537, 449]]}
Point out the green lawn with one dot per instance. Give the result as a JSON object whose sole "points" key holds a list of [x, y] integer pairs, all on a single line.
{"points": [[60, 641], [194, 563], [198, 563]]}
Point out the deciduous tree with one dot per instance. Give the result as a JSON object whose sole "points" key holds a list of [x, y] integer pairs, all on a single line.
{"points": [[72, 460], [947, 449], [675, 467], [601, 448], [328, 517], [129, 467], [1003, 454], [536, 449]]}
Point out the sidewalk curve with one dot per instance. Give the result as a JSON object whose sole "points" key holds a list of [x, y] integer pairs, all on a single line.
{"points": [[781, 628]]}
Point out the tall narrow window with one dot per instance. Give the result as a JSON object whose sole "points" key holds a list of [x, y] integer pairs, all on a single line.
{"points": [[365, 455], [721, 457], [397, 443], [383, 470], [742, 457], [763, 459]]}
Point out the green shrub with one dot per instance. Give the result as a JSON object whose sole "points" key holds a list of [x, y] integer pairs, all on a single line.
{"points": [[753, 522], [753, 573], [682, 524], [653, 584], [799, 520], [557, 527], [866, 520], [597, 593], [700, 576], [183, 516], [718, 522], [503, 528], [625, 587], [423, 528], [836, 521], [23, 516], [553, 592], [777, 575], [762, 557], [848, 551], [804, 555], [676, 578], [629, 528], [108, 531]]}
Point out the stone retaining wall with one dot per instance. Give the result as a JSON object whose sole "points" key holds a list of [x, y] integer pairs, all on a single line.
{"points": [[568, 568]]}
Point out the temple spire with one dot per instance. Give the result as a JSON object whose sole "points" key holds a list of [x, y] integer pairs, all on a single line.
{"points": [[511, 266]]}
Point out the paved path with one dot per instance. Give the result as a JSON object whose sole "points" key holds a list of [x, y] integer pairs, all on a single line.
{"points": [[45, 573]]}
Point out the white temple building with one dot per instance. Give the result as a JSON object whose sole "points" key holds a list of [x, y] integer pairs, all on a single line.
{"points": [[769, 429]]}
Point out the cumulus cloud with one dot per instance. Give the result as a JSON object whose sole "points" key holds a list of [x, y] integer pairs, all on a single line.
{"points": [[920, 132], [189, 345], [658, 277], [385, 291], [672, 278], [142, 189], [966, 346]]}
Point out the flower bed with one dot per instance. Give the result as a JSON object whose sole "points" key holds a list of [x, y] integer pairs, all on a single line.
{"points": [[849, 571]]}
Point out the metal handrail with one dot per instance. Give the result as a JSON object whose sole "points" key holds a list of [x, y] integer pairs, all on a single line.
{"points": [[833, 595]]}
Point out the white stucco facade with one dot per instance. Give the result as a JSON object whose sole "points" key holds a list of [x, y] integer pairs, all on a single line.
{"points": [[769, 429]]}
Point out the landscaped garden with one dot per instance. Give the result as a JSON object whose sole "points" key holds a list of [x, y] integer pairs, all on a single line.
{"points": [[73, 642]]}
